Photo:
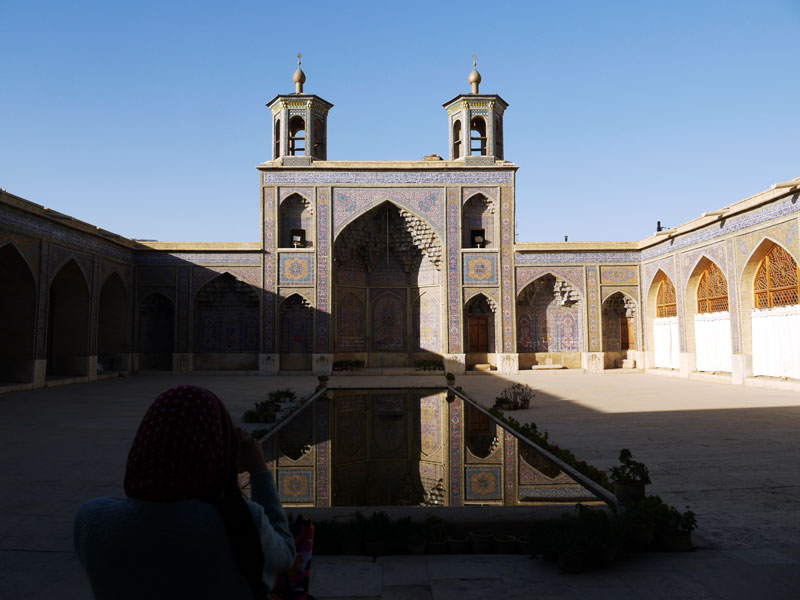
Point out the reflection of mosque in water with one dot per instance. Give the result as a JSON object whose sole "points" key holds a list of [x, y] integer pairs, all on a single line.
{"points": [[408, 447], [394, 262]]}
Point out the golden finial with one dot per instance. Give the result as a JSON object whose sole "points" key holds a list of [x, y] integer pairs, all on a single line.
{"points": [[474, 77], [299, 77]]}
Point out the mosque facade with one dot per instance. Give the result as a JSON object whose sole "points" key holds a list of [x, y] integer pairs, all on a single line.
{"points": [[392, 263]]}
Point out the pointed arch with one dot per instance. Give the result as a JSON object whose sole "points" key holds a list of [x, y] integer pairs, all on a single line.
{"points": [[549, 316], [226, 317], [113, 325], [480, 314], [296, 325], [68, 322], [156, 333], [478, 222], [296, 222], [17, 315], [662, 321], [619, 314]]}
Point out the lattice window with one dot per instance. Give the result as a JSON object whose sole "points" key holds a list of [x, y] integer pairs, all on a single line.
{"points": [[666, 300], [776, 280], [712, 292]]}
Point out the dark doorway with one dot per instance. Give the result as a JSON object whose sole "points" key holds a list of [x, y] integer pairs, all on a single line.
{"points": [[17, 317], [156, 333]]}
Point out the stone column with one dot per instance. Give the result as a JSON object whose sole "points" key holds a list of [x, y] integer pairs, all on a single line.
{"points": [[508, 363]]}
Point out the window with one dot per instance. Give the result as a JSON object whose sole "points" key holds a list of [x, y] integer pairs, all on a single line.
{"points": [[478, 136], [276, 152], [666, 300], [457, 139], [297, 136], [776, 280], [712, 291]]}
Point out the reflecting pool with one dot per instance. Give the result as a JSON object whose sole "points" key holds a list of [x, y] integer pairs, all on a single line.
{"points": [[408, 447]]}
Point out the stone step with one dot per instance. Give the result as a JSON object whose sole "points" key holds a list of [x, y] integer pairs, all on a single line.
{"points": [[482, 367], [546, 367]]}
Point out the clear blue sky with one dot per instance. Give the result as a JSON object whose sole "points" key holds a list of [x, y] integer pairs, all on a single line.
{"points": [[148, 118]]}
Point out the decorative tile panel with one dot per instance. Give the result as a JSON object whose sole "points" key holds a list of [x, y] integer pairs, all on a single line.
{"points": [[323, 342], [270, 280], [323, 447], [509, 466], [480, 269], [506, 242], [453, 300], [155, 276], [593, 306], [456, 453], [539, 257], [483, 483], [296, 485], [350, 203], [489, 192], [202, 275], [296, 268], [573, 275], [305, 192], [183, 309], [650, 269], [618, 275], [28, 247], [460, 176]]}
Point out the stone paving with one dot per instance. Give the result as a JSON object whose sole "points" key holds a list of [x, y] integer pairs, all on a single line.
{"points": [[729, 452]]}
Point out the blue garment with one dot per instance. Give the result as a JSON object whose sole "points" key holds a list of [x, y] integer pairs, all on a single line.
{"points": [[139, 549]]}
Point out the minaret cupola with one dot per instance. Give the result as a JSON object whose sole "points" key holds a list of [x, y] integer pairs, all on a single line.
{"points": [[476, 123], [299, 124]]}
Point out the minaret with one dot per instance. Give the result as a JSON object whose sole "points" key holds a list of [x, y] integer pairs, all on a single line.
{"points": [[299, 124], [476, 123]]}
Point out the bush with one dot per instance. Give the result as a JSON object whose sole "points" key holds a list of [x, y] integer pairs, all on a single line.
{"points": [[629, 470]]}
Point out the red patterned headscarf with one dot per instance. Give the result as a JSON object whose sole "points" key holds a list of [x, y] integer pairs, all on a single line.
{"points": [[183, 448]]}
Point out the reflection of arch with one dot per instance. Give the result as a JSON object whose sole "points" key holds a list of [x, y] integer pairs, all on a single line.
{"points": [[68, 322], [350, 325], [425, 321], [113, 325], [226, 316], [388, 323], [770, 315], [17, 316], [479, 324], [662, 321], [477, 218], [156, 332], [295, 213], [481, 432], [549, 316]]}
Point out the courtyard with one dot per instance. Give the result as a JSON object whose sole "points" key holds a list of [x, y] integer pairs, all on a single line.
{"points": [[729, 452]]}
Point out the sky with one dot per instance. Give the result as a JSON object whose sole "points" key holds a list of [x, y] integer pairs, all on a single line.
{"points": [[148, 118]]}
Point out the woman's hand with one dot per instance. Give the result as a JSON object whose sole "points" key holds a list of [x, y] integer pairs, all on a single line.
{"points": [[251, 455]]}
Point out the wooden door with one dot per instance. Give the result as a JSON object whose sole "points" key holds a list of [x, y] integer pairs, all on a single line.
{"points": [[627, 337], [478, 336]]}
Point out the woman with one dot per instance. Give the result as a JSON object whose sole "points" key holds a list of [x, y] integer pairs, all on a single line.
{"points": [[185, 531]]}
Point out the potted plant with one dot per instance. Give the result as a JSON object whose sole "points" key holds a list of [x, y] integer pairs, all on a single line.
{"points": [[639, 523], [376, 529], [505, 544], [674, 529], [451, 379], [482, 541], [323, 380], [435, 534], [630, 478]]}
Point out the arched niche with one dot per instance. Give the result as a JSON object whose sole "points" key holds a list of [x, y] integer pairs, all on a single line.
{"points": [[549, 323], [113, 326], [226, 325], [770, 292], [17, 317], [480, 331], [662, 322], [296, 330], [68, 323], [478, 223], [156, 339], [619, 314], [296, 222], [708, 320]]}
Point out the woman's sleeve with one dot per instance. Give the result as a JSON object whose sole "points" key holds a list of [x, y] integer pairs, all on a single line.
{"points": [[273, 527]]}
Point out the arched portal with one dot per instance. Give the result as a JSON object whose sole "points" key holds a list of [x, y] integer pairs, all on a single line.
{"points": [[68, 323], [663, 303], [296, 333], [619, 330], [549, 323], [387, 279], [479, 325], [226, 325], [296, 223], [477, 223], [708, 321], [156, 333], [775, 311], [113, 326], [17, 317]]}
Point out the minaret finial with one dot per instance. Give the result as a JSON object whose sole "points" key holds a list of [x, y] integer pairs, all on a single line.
{"points": [[474, 77], [299, 77]]}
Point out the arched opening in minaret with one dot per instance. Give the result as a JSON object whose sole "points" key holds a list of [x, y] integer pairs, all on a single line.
{"points": [[477, 136], [276, 140], [457, 139], [387, 286], [297, 136]]}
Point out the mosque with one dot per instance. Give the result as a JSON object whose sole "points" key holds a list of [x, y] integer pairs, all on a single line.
{"points": [[391, 263]]}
